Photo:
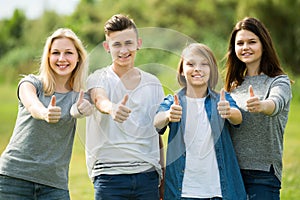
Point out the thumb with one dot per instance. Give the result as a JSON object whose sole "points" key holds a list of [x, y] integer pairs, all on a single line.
{"points": [[124, 100], [251, 92], [176, 101], [222, 95], [52, 101], [80, 97]]}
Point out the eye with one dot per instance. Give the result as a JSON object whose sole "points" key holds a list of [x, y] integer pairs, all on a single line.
{"points": [[129, 43], [239, 43], [55, 53], [190, 64], [116, 45]]}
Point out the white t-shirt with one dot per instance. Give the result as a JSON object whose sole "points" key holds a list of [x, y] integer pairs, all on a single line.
{"points": [[201, 175], [131, 146]]}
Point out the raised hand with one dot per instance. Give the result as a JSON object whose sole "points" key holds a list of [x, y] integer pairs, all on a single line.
{"points": [[175, 111], [83, 106], [53, 112], [121, 111], [224, 106], [253, 104]]}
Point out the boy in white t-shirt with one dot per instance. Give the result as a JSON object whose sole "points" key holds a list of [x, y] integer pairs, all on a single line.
{"points": [[122, 145]]}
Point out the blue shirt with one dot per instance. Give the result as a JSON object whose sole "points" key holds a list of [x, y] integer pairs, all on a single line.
{"points": [[232, 186]]}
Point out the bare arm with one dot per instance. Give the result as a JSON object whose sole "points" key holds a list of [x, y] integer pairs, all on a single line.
{"points": [[27, 94], [119, 112], [101, 101]]}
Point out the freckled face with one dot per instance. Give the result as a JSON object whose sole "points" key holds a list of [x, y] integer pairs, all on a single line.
{"points": [[63, 57]]}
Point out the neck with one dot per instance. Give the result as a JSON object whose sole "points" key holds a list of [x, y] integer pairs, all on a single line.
{"points": [[252, 70], [62, 84], [196, 92], [122, 70]]}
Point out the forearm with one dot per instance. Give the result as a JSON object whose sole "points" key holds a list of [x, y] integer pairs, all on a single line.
{"points": [[161, 119], [37, 110], [101, 101], [235, 116], [267, 107], [103, 105]]}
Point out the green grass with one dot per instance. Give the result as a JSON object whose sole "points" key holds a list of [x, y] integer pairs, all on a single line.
{"points": [[81, 187]]}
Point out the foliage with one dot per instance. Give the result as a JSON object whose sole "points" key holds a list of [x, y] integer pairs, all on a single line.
{"points": [[209, 22]]}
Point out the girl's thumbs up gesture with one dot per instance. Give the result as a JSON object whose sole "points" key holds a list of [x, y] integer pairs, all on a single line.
{"points": [[82, 107], [253, 104], [53, 112]]}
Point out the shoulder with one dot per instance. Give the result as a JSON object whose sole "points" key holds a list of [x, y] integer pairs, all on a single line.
{"points": [[149, 77], [33, 79], [281, 78], [99, 72]]}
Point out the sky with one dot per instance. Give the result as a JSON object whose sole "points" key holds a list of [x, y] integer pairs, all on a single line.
{"points": [[34, 8]]}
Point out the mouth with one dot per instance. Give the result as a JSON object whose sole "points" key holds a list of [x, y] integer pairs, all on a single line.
{"points": [[62, 67], [246, 54], [124, 56], [198, 76]]}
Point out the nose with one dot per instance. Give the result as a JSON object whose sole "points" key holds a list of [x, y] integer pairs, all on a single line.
{"points": [[124, 49], [197, 68], [61, 56], [245, 45]]}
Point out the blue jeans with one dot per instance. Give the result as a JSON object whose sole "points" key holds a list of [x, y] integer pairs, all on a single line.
{"points": [[18, 189], [261, 185], [141, 186], [214, 198]]}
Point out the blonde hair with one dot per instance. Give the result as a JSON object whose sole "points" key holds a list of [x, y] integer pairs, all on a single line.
{"points": [[78, 76], [201, 50]]}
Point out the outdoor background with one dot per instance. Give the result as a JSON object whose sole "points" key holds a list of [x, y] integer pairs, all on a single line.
{"points": [[165, 27]]}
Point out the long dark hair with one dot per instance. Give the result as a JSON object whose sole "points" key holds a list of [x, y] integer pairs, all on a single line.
{"points": [[269, 64]]}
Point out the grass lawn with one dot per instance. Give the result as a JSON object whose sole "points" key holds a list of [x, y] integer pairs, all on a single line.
{"points": [[81, 187]]}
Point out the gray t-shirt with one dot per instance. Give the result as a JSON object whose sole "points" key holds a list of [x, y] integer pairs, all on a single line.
{"points": [[259, 139], [39, 151]]}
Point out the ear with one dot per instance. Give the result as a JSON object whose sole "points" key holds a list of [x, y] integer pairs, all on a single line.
{"points": [[139, 43], [106, 46]]}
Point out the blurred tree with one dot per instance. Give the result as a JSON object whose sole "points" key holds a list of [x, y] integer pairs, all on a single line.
{"points": [[209, 22], [11, 32]]}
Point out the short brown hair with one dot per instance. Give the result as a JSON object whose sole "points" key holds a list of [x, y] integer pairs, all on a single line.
{"points": [[119, 22]]}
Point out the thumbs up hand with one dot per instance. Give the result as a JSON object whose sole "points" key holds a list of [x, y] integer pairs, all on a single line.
{"points": [[175, 111], [120, 112], [53, 112], [224, 106], [253, 104], [84, 107]]}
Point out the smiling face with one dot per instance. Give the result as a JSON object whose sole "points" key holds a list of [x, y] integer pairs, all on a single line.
{"points": [[196, 70], [63, 57], [122, 46], [248, 49]]}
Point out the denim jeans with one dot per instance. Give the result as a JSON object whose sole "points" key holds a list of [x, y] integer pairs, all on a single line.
{"points": [[261, 185], [18, 189], [141, 186], [214, 198]]}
